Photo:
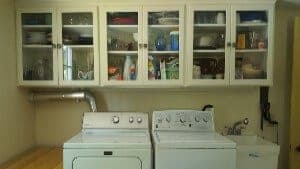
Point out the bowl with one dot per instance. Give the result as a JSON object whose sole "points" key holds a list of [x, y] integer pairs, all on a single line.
{"points": [[36, 37], [249, 72], [168, 21]]}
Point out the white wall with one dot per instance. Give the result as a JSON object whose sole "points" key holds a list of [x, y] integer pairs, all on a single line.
{"points": [[16, 113]]}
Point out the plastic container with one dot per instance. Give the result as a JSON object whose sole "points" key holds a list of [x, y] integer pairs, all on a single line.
{"points": [[174, 40]]}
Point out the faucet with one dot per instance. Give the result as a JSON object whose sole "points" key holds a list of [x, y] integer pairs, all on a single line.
{"points": [[237, 127]]}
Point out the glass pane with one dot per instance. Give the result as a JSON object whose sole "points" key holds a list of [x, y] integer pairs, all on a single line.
{"points": [[78, 63], [77, 28], [209, 45], [163, 18], [163, 67], [37, 46], [122, 67], [251, 44], [122, 18], [163, 45], [37, 64], [122, 45], [208, 66], [37, 29]]}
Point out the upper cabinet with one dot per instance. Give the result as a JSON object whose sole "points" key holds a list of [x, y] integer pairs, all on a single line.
{"points": [[208, 52], [229, 44], [143, 45], [58, 47], [183, 43]]}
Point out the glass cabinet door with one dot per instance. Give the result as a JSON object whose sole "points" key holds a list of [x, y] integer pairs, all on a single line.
{"points": [[36, 50], [121, 55], [77, 48], [164, 37], [208, 51], [252, 47]]}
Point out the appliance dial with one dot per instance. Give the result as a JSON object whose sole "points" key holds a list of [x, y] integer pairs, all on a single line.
{"points": [[115, 119], [182, 119], [197, 119], [205, 119], [168, 119], [131, 119], [139, 120]]}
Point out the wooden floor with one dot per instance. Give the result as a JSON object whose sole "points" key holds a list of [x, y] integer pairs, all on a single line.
{"points": [[38, 158]]}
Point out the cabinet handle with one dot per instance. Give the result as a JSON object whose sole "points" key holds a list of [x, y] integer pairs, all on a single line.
{"points": [[54, 46], [59, 46], [145, 45], [233, 45]]}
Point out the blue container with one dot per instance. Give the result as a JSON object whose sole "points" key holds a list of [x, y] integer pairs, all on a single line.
{"points": [[160, 42], [174, 40]]}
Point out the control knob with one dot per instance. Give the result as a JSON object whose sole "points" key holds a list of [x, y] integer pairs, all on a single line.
{"points": [[115, 119], [197, 119], [139, 120], [182, 119], [131, 119], [205, 120], [168, 119]]}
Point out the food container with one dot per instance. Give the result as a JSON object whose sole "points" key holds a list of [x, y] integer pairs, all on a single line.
{"points": [[168, 21], [174, 40], [36, 37]]}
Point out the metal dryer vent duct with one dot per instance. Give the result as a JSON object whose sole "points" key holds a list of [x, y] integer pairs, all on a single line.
{"points": [[84, 95]]}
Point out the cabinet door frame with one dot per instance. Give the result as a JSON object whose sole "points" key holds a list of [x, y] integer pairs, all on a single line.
{"points": [[162, 8], [191, 8], [19, 41], [94, 82], [269, 63], [103, 10]]}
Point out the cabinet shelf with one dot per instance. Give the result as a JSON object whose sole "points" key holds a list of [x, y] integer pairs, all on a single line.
{"points": [[163, 26], [79, 46], [209, 25], [210, 51], [163, 52], [252, 24], [78, 26], [37, 46], [37, 26], [122, 52], [251, 50]]}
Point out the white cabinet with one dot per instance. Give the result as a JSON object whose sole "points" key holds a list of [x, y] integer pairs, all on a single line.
{"points": [[229, 44], [142, 45], [58, 47]]}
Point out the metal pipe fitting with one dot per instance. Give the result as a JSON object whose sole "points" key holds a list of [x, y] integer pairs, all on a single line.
{"points": [[84, 95]]}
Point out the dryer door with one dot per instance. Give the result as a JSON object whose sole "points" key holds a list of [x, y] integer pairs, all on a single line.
{"points": [[107, 162]]}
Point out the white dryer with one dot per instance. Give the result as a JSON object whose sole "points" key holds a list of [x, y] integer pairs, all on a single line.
{"points": [[186, 139], [110, 141]]}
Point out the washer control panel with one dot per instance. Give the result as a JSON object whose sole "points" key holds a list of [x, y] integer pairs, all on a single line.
{"points": [[122, 120], [183, 120]]}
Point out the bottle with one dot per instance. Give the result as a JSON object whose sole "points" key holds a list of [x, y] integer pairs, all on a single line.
{"points": [[163, 69], [151, 71], [127, 65], [174, 40]]}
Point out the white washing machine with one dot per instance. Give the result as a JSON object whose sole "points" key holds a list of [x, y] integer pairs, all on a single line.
{"points": [[186, 139], [110, 141]]}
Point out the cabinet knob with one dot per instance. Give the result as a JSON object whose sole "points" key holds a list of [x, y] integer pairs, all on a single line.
{"points": [[228, 44], [54, 46], [59, 46], [140, 45], [233, 45], [145, 45]]}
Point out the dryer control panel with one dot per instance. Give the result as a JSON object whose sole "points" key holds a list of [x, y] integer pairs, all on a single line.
{"points": [[183, 120], [110, 120]]}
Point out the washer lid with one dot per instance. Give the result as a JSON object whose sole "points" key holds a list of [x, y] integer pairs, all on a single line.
{"points": [[110, 139], [196, 140]]}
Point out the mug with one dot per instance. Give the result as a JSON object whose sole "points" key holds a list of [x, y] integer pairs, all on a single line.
{"points": [[220, 18]]}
